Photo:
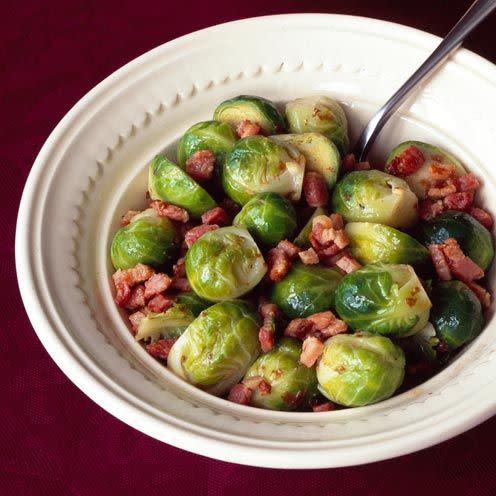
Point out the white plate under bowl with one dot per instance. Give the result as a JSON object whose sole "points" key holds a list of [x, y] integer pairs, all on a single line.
{"points": [[91, 169]]}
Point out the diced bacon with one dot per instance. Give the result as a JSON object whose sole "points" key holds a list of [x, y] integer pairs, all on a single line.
{"points": [[216, 215], [334, 328], [128, 217], [429, 209], [290, 249], [230, 206], [347, 263], [309, 257], [158, 283], [337, 221], [441, 172], [161, 348], [160, 303], [240, 394], [440, 262], [439, 193], [200, 166], [181, 284], [122, 294], [311, 351], [315, 189], [136, 275], [321, 320], [481, 293], [266, 338], [482, 216], [137, 299], [461, 266], [247, 128], [267, 309], [407, 162], [341, 240], [172, 212], [323, 407], [467, 182], [179, 268], [326, 222], [278, 263], [459, 201], [135, 319], [362, 166], [298, 328], [348, 162], [197, 232]]}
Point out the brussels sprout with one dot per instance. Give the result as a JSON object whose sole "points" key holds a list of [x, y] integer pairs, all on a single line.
{"points": [[215, 136], [474, 239], [281, 368], [148, 239], [456, 313], [305, 290], [319, 114], [321, 154], [169, 183], [360, 369], [193, 302], [217, 348], [224, 264], [373, 196], [252, 108], [302, 239], [421, 347], [268, 217], [420, 180], [371, 243], [258, 165], [383, 298], [165, 325]]}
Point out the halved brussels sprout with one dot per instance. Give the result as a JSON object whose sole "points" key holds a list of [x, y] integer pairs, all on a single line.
{"points": [[306, 289], [165, 325], [268, 217], [456, 313], [215, 136], [302, 239], [420, 180], [224, 264], [194, 303], [371, 243], [169, 183], [259, 165], [360, 369], [319, 114], [252, 108], [383, 298], [373, 196], [321, 154], [281, 368], [217, 348], [474, 239], [148, 239]]}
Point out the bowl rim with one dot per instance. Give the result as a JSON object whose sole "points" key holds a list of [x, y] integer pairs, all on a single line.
{"points": [[107, 395]]}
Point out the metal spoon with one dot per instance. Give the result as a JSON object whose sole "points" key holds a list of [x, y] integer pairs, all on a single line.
{"points": [[478, 11]]}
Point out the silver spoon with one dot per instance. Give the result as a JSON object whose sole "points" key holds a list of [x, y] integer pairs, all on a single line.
{"points": [[478, 11]]}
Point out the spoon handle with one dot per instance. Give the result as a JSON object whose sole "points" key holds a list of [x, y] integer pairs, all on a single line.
{"points": [[477, 12]]}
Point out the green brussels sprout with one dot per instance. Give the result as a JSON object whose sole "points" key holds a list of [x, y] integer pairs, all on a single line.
{"points": [[268, 217], [420, 180], [215, 136], [148, 239], [194, 303], [360, 369], [319, 114], [456, 313], [373, 196], [474, 239], [252, 108], [259, 165], [306, 289], [383, 298], [281, 368], [302, 239], [371, 243], [321, 154], [169, 183], [165, 325], [224, 264], [217, 348]]}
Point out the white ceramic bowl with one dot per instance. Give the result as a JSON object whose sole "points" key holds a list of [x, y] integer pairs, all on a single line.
{"points": [[92, 168]]}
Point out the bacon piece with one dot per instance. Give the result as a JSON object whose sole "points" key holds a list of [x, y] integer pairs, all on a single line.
{"points": [[323, 407], [170, 211], [158, 283], [247, 128], [348, 162], [268, 309], [197, 232], [124, 280], [482, 216], [160, 303], [429, 209], [179, 268], [216, 215], [298, 328], [467, 182], [348, 263], [269, 313], [122, 294], [321, 320], [181, 284], [135, 319], [459, 201], [309, 257], [439, 193], [407, 162], [481, 293], [137, 299], [315, 189], [240, 394], [278, 263], [336, 327], [311, 351], [266, 338], [290, 249], [200, 166], [461, 266], [341, 240], [441, 172], [160, 349], [128, 217], [440, 262], [325, 324]]}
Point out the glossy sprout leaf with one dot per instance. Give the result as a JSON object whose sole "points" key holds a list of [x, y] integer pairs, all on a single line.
{"points": [[194, 303]]}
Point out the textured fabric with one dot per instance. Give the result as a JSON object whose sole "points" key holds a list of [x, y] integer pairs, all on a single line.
{"points": [[53, 439]]}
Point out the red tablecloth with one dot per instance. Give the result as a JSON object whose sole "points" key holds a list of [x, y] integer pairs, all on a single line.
{"points": [[53, 439]]}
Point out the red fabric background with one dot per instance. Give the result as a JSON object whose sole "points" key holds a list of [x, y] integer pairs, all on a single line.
{"points": [[53, 439]]}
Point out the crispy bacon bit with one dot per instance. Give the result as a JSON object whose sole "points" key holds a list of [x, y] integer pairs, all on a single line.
{"points": [[266, 338], [124, 280], [135, 319], [327, 236], [122, 294], [321, 320], [215, 215], [311, 351], [323, 407], [278, 263], [160, 303], [240, 394], [467, 182], [315, 189], [407, 162], [267, 309], [298, 328], [157, 284], [348, 263], [197, 232], [161, 348], [181, 284], [128, 217], [269, 313], [200, 166], [336, 327], [481, 293], [440, 262], [341, 240], [137, 299], [461, 266], [429, 209], [438, 193], [319, 325], [290, 249], [170, 211], [337, 221], [179, 268], [459, 201], [229, 206], [441, 172], [247, 128], [482, 216], [309, 257], [348, 162]]}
